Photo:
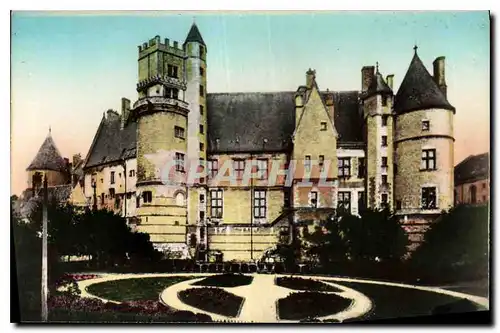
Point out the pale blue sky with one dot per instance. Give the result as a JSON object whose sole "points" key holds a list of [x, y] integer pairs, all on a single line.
{"points": [[68, 68]]}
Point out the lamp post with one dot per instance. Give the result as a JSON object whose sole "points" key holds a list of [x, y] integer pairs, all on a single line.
{"points": [[44, 252], [94, 186]]}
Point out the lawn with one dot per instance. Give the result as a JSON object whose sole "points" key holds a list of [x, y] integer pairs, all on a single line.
{"points": [[134, 289], [298, 306], [304, 284], [225, 280], [213, 300], [394, 302]]}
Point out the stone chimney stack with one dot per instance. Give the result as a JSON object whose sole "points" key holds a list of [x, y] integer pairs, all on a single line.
{"points": [[125, 111], [439, 75], [390, 81], [367, 75], [310, 78]]}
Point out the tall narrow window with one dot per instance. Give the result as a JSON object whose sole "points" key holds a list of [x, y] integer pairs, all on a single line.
{"points": [[361, 200], [202, 71], [202, 130], [216, 203], [384, 100], [314, 199], [111, 193], [384, 180], [179, 162], [175, 93], [147, 196], [323, 126], [321, 162], [213, 168], [344, 201], [179, 132], [307, 163], [202, 198], [201, 109], [384, 120], [428, 159], [239, 168], [361, 167], [385, 200], [202, 92], [428, 197], [344, 167], [384, 141], [473, 194], [262, 169], [112, 177], [259, 204], [202, 146], [384, 162]]}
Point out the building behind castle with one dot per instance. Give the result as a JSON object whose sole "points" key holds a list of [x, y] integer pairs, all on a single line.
{"points": [[357, 149]]}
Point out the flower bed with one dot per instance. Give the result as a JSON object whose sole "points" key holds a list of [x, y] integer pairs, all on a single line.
{"points": [[303, 305], [304, 284], [75, 309], [213, 300], [134, 289], [225, 280]]}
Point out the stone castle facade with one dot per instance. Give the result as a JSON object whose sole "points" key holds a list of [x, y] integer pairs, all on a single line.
{"points": [[372, 148]]}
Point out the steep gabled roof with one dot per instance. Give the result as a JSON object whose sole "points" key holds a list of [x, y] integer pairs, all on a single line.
{"points": [[378, 86], [48, 157], [472, 168], [240, 122], [111, 143], [194, 35], [419, 91]]}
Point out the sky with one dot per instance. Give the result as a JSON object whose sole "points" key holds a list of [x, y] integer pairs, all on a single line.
{"points": [[67, 68]]}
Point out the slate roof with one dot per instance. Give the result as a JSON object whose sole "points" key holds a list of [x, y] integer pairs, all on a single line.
{"points": [[239, 122], [419, 91], [378, 86], [348, 117], [112, 144], [474, 167], [194, 35], [48, 157]]}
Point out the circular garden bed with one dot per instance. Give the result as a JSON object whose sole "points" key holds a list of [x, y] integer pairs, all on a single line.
{"points": [[304, 284], [225, 280], [213, 300], [303, 305], [134, 289]]}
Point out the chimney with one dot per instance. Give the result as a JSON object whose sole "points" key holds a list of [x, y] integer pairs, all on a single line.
{"points": [[329, 103], [439, 76], [310, 77], [390, 81], [125, 111], [76, 159], [367, 75]]}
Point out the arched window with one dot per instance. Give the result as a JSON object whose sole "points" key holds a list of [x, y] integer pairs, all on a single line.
{"points": [[180, 199], [473, 192]]}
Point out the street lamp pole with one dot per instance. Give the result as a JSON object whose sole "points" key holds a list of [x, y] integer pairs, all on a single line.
{"points": [[44, 252]]}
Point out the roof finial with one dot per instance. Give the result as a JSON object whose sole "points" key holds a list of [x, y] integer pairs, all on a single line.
{"points": [[415, 48], [377, 66], [50, 129]]}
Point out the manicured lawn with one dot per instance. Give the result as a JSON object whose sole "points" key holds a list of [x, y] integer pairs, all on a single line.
{"points": [[394, 302], [213, 300], [307, 304], [225, 280], [134, 289], [304, 284]]}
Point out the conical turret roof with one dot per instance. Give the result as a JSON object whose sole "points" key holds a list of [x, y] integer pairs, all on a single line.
{"points": [[194, 35], [419, 91], [48, 157]]}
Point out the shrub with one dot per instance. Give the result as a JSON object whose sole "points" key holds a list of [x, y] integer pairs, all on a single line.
{"points": [[225, 280], [304, 284], [214, 300], [304, 305]]}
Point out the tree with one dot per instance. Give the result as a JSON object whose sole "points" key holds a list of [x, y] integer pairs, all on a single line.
{"points": [[327, 244], [457, 241], [376, 235]]}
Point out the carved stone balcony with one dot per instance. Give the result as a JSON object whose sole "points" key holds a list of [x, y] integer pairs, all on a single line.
{"points": [[161, 79], [160, 100]]}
